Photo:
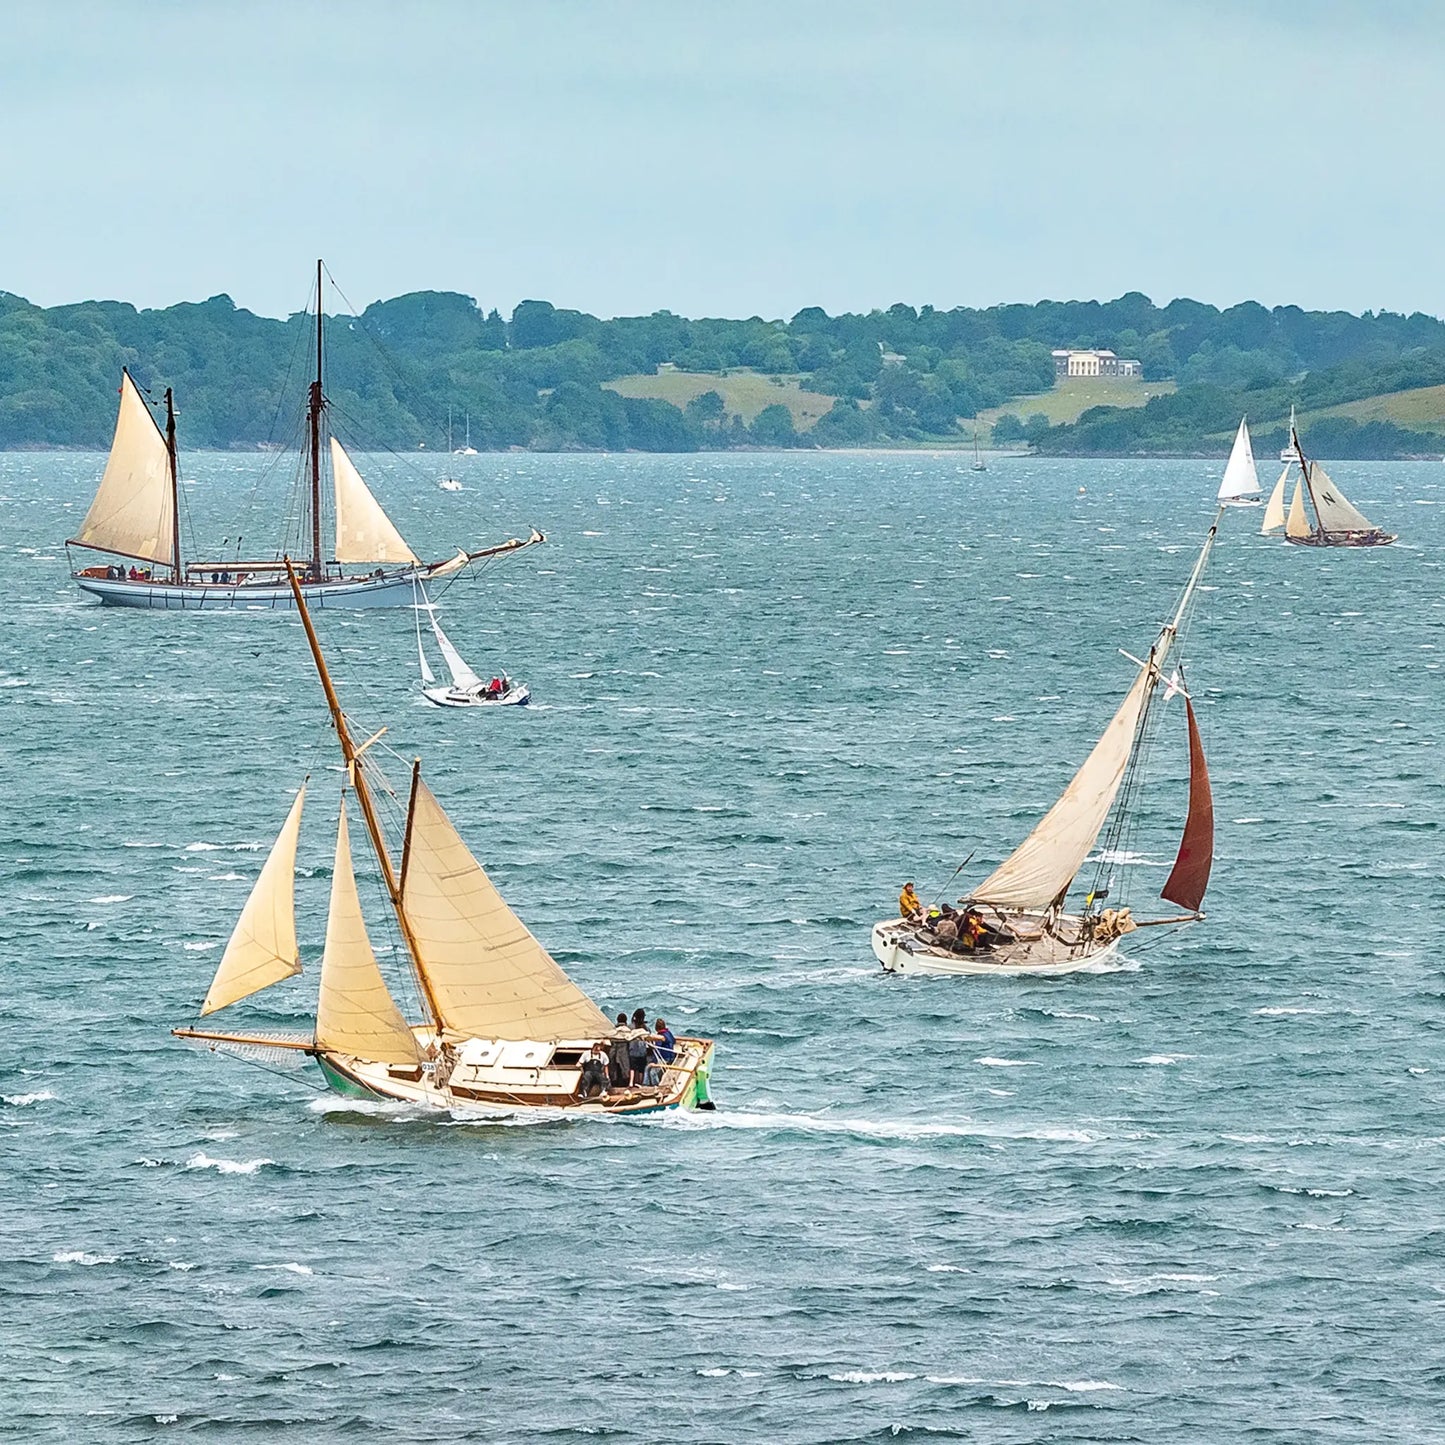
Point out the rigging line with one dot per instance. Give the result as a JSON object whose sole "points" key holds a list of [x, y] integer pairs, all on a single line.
{"points": [[255, 1063]]}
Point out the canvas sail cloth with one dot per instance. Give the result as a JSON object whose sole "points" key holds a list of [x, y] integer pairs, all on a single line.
{"points": [[1189, 877], [1274, 510], [489, 978], [1297, 524], [355, 1013], [1240, 477], [364, 533], [262, 950], [133, 513], [1041, 868], [1336, 513]]}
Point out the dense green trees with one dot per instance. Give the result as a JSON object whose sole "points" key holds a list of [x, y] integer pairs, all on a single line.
{"points": [[536, 379]]}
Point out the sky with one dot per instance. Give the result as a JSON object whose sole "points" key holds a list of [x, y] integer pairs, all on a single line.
{"points": [[725, 157]]}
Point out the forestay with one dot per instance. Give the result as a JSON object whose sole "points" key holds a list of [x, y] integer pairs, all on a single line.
{"points": [[364, 533], [262, 949], [487, 975], [355, 1013], [134, 510]]}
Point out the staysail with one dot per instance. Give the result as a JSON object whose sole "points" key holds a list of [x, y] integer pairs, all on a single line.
{"points": [[1240, 477], [1297, 524], [355, 1013], [1190, 875], [488, 976], [262, 950], [1336, 512], [1041, 868], [364, 533], [1274, 510], [133, 513], [462, 675]]}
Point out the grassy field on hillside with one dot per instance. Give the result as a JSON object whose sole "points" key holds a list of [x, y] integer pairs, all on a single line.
{"points": [[1421, 409], [744, 393], [1074, 395]]}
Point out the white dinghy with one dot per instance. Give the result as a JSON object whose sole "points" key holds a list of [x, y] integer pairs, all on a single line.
{"points": [[1240, 486], [1017, 921], [467, 688]]}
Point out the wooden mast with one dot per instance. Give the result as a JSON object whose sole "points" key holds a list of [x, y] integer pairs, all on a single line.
{"points": [[175, 487], [313, 416], [352, 755]]}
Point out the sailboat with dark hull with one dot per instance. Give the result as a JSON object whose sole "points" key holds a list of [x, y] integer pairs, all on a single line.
{"points": [[135, 518], [1018, 920], [504, 1032], [1320, 515]]}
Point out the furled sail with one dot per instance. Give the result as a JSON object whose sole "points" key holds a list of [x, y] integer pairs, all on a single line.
{"points": [[1190, 875], [355, 1013], [1298, 523], [1041, 868], [364, 533], [262, 950], [1274, 511], [1240, 477], [488, 976], [1336, 513], [134, 510]]}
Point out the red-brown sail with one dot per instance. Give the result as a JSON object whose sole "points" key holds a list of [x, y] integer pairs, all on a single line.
{"points": [[1190, 874]]}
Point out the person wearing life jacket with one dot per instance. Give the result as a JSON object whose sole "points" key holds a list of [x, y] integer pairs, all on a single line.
{"points": [[973, 930], [909, 906]]}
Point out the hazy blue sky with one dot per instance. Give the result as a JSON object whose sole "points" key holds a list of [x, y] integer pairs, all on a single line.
{"points": [[726, 158]]}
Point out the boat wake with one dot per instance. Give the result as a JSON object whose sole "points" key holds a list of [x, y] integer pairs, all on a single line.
{"points": [[880, 1129]]}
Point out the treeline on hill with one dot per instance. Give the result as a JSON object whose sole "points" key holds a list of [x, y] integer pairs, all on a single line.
{"points": [[537, 380]]}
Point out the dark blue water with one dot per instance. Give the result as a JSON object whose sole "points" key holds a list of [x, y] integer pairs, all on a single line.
{"points": [[1196, 1197]]}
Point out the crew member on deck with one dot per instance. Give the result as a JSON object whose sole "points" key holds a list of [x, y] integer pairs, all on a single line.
{"points": [[593, 1082], [909, 906]]}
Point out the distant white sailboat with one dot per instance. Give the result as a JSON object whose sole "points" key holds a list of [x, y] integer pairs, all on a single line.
{"points": [[1240, 487], [467, 688], [1286, 452], [449, 483], [979, 465], [469, 450]]}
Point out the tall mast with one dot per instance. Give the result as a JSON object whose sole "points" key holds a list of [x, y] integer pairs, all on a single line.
{"points": [[313, 417], [175, 487], [352, 754]]}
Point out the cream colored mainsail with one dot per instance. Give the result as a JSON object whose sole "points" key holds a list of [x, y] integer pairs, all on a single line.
{"points": [[262, 950], [1336, 513], [364, 533], [1041, 868], [134, 509], [1274, 512], [488, 976], [355, 1013], [1298, 523]]}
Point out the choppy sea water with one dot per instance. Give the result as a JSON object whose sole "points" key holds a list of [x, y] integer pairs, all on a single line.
{"points": [[1195, 1196]]}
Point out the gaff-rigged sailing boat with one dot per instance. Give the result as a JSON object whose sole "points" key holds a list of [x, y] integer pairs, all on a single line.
{"points": [[1240, 487], [1017, 921], [1337, 523], [467, 689], [506, 1031], [135, 516]]}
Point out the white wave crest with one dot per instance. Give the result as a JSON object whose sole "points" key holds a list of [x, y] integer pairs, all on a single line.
{"points": [[289, 1268], [872, 1377], [226, 1166], [868, 1128], [989, 1062], [21, 1101], [113, 898], [79, 1256]]}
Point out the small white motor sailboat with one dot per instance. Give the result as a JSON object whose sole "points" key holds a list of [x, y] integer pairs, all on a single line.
{"points": [[504, 1031], [1016, 922], [467, 689], [449, 483], [1337, 521], [1240, 487]]}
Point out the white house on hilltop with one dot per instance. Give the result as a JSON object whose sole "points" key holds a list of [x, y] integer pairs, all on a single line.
{"points": [[1093, 363]]}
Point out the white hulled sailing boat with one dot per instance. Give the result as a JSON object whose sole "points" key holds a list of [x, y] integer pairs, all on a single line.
{"points": [[468, 450], [135, 517], [1240, 486], [1337, 522], [505, 1030], [467, 688], [979, 465], [1017, 920], [449, 483]]}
